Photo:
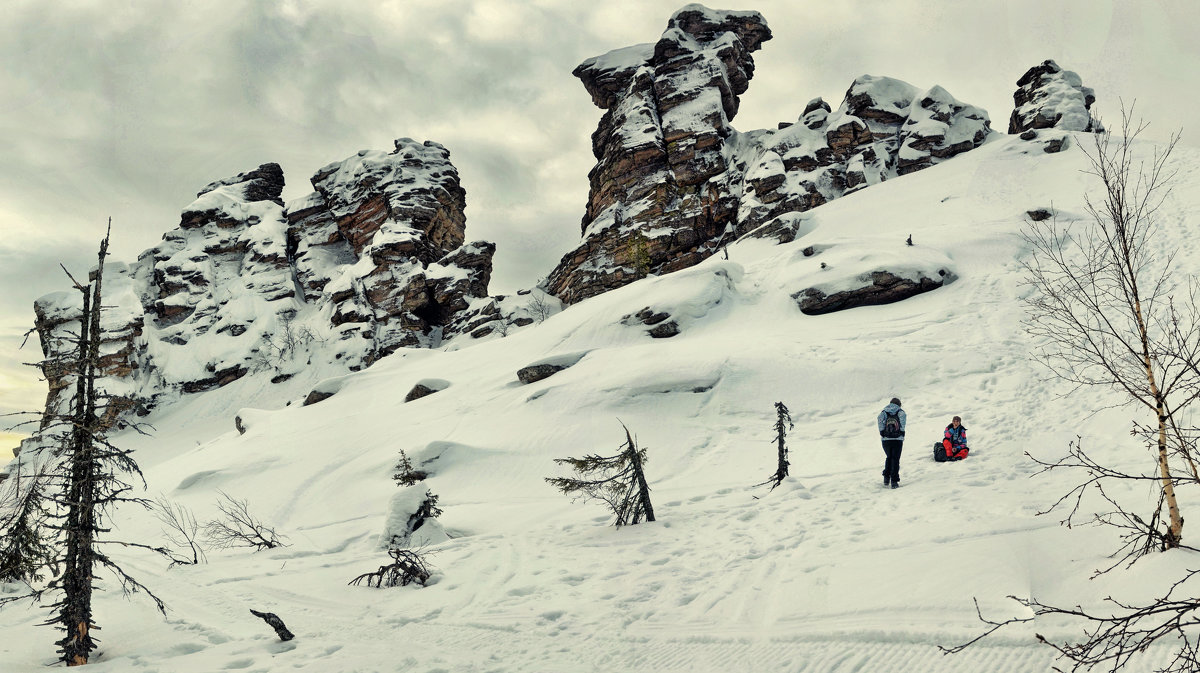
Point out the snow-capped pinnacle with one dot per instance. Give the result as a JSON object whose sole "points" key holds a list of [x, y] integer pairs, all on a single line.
{"points": [[265, 183], [227, 200], [1050, 97], [413, 187], [674, 180]]}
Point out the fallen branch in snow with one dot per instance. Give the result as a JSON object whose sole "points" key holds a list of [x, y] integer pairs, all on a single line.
{"points": [[408, 566], [276, 623]]}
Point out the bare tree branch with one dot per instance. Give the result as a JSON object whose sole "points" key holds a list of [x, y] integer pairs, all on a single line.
{"points": [[240, 528]]}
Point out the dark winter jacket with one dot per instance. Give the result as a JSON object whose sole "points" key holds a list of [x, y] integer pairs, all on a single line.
{"points": [[958, 438], [893, 408]]}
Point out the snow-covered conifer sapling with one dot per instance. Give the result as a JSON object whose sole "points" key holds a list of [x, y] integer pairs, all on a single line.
{"points": [[618, 480]]}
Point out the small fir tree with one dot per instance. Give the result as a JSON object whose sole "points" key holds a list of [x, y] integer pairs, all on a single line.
{"points": [[25, 553], [405, 474], [783, 423], [428, 509], [639, 254], [618, 480]]}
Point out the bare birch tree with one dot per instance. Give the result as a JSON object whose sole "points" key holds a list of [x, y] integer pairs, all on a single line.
{"points": [[1112, 316], [1107, 309]]}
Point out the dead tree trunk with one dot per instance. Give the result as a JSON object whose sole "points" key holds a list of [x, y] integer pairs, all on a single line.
{"points": [[618, 480], [75, 610], [91, 474], [783, 423], [635, 461]]}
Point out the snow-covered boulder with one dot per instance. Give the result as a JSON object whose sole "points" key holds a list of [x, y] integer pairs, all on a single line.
{"points": [[411, 520], [871, 289], [1050, 97]]}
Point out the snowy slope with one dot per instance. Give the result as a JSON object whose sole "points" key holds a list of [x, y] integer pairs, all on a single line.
{"points": [[828, 573]]}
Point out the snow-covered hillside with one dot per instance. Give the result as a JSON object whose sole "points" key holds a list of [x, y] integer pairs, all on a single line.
{"points": [[828, 573]]}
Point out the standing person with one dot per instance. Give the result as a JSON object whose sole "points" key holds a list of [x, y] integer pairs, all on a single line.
{"points": [[955, 440], [891, 430]]}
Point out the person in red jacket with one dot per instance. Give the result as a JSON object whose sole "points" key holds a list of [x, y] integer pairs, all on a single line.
{"points": [[955, 440]]}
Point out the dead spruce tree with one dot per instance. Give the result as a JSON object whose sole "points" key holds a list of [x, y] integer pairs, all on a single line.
{"points": [[25, 511], [783, 423], [618, 480], [87, 478], [94, 478], [1104, 305], [1106, 308]]}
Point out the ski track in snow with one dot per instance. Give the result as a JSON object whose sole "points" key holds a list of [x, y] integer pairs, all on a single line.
{"points": [[829, 573]]}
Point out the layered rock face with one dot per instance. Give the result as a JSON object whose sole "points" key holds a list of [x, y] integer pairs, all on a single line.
{"points": [[662, 189], [381, 242], [1050, 97], [373, 260], [674, 180]]}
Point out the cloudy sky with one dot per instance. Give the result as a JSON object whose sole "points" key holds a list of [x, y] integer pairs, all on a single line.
{"points": [[125, 109]]}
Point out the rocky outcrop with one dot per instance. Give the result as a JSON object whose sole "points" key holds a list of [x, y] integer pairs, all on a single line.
{"points": [[537, 371], [381, 241], [57, 322], [1050, 97], [373, 260], [426, 388], [662, 189], [879, 287], [674, 180], [534, 373], [660, 325]]}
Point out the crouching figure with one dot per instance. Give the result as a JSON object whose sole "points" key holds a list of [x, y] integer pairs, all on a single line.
{"points": [[954, 443]]}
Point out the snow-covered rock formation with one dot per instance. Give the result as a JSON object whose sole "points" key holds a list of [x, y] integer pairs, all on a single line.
{"points": [[372, 261], [674, 180], [1050, 97], [376, 259]]}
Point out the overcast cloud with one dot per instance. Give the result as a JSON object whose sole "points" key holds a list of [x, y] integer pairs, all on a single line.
{"points": [[126, 109]]}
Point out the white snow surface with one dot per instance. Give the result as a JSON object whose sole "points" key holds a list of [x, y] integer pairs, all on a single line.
{"points": [[829, 573], [621, 59]]}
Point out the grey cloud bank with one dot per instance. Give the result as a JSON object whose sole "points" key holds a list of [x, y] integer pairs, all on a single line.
{"points": [[118, 110]]}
